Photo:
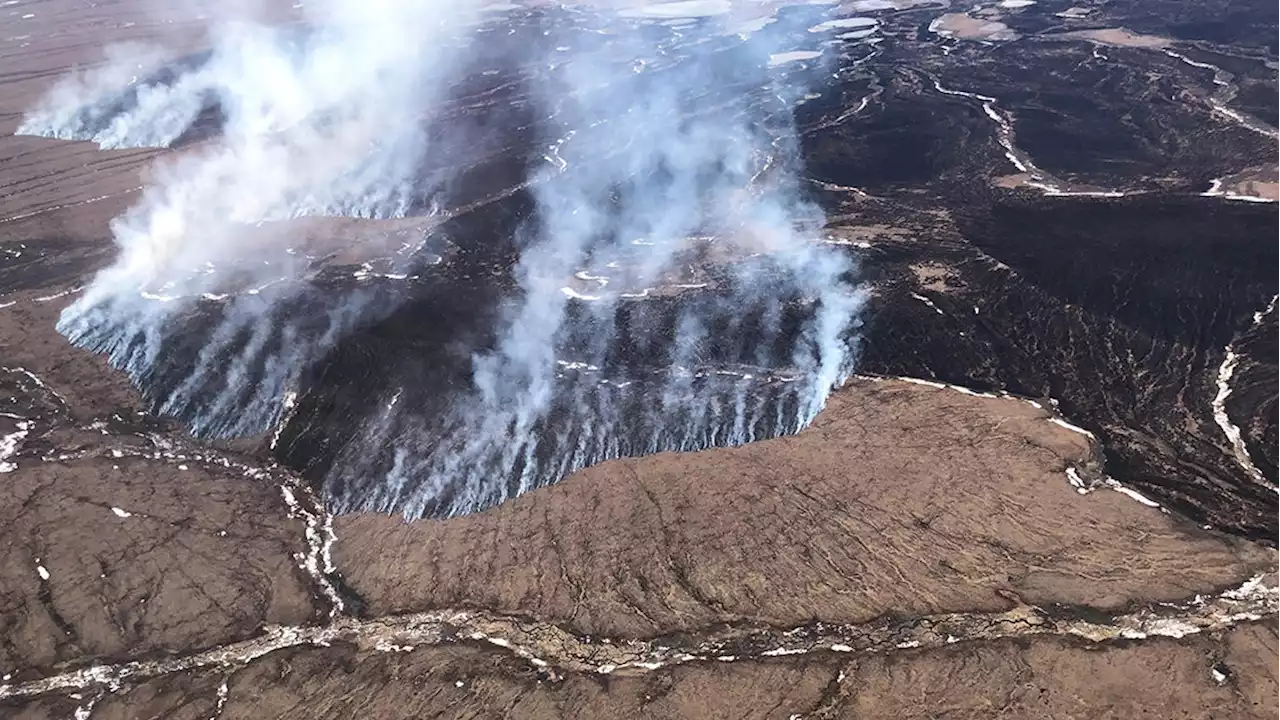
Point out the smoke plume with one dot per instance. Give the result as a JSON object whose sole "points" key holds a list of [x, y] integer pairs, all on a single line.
{"points": [[670, 289]]}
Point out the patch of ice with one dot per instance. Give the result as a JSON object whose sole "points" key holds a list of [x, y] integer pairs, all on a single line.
{"points": [[121, 512]]}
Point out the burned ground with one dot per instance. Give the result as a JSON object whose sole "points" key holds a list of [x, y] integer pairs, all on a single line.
{"points": [[1040, 216]]}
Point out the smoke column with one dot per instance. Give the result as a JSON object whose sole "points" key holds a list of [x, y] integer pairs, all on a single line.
{"points": [[672, 292], [322, 121]]}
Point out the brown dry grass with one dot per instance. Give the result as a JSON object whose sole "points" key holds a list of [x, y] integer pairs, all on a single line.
{"points": [[971, 28], [1121, 37], [899, 499]]}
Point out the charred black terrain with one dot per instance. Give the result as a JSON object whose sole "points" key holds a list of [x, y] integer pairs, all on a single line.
{"points": [[1070, 207], [1114, 294]]}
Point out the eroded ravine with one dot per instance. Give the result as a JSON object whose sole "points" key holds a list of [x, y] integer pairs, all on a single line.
{"points": [[553, 651]]}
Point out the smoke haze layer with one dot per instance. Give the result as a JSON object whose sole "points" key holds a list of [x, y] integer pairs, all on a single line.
{"points": [[646, 274]]}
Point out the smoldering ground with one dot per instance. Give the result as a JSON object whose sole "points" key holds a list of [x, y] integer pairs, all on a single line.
{"points": [[644, 273]]}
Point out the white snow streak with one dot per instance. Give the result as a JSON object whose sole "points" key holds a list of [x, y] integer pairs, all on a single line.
{"points": [[1234, 436]]}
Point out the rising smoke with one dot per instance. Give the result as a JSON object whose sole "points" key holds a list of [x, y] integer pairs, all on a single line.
{"points": [[672, 292], [317, 122]]}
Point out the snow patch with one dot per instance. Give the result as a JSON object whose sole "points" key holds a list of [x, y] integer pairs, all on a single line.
{"points": [[10, 443], [223, 693], [317, 562], [388, 646], [852, 22], [1132, 493], [794, 56], [1229, 428], [1073, 477], [928, 302], [1073, 428], [575, 295], [84, 711], [1166, 627]]}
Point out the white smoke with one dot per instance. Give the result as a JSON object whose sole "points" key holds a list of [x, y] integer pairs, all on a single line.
{"points": [[325, 121], [651, 176], [87, 106], [669, 177]]}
